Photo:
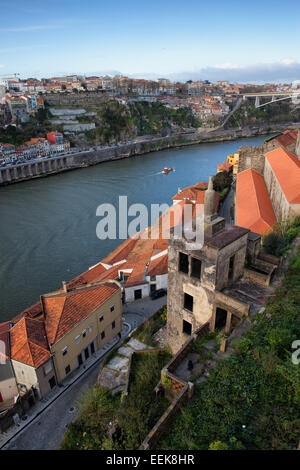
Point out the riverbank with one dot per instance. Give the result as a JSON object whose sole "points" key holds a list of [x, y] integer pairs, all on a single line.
{"points": [[48, 225], [48, 167]]}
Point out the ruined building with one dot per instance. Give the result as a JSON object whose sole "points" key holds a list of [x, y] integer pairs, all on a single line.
{"points": [[197, 277]]}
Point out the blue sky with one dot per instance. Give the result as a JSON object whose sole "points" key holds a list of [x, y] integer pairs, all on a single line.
{"points": [[235, 40]]}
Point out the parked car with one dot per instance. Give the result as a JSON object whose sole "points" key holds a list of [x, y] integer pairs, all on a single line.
{"points": [[158, 293]]}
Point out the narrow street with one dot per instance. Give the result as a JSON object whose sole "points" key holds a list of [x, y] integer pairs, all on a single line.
{"points": [[226, 206], [46, 431]]}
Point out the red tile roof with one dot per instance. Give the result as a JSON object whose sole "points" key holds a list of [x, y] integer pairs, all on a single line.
{"points": [[158, 266], [225, 166], [287, 138], [286, 168], [190, 192], [64, 310], [253, 205], [28, 342]]}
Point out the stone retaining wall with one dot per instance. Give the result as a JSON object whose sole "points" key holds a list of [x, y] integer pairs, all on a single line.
{"points": [[181, 389]]}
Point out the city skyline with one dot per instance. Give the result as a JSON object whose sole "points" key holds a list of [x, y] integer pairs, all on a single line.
{"points": [[222, 41]]}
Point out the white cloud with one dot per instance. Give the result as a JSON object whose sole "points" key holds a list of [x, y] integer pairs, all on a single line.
{"points": [[285, 70], [22, 29], [228, 65]]}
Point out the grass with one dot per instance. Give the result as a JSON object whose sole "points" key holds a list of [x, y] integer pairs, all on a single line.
{"points": [[132, 417], [146, 331], [251, 400]]}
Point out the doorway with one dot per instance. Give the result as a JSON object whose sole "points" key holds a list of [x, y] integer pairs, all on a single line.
{"points": [[221, 317], [92, 348], [137, 294], [52, 382], [152, 288], [80, 361]]}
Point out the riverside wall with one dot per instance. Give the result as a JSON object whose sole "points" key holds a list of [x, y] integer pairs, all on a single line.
{"points": [[47, 167]]}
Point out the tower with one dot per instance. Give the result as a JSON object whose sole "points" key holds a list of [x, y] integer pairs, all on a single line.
{"points": [[196, 276]]}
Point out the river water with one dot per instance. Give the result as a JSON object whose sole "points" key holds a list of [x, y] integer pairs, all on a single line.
{"points": [[48, 225]]}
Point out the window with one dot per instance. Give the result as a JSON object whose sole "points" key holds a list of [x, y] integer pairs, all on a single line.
{"points": [[77, 339], [64, 351], [152, 278], [183, 263], [112, 308], [101, 318], [90, 328], [196, 268], [102, 334], [186, 327], [113, 325], [67, 369], [84, 333], [188, 302], [231, 267]]}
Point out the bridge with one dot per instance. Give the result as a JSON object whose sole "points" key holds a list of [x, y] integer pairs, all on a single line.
{"points": [[274, 95]]}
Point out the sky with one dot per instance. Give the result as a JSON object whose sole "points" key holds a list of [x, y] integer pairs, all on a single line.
{"points": [[232, 40]]}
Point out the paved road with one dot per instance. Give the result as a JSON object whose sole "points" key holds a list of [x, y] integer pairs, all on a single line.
{"points": [[47, 430]]}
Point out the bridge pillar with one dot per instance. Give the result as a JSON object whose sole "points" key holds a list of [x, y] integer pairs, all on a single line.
{"points": [[15, 173], [1, 177], [257, 101]]}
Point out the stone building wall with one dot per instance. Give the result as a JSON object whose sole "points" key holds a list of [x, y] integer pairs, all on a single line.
{"points": [[282, 208], [214, 276], [254, 156]]}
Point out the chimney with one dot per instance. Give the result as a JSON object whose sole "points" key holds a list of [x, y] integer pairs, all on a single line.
{"points": [[297, 151], [64, 285]]}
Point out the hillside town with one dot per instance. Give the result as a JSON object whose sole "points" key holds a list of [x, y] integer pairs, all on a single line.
{"points": [[53, 339], [22, 101]]}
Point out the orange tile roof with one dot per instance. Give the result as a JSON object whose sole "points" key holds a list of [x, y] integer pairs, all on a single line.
{"points": [[33, 311], [253, 205], [158, 266], [288, 137], [225, 166], [190, 192], [286, 168], [28, 342], [120, 252], [64, 310]]}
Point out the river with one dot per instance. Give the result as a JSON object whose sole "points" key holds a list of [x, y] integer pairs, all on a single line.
{"points": [[48, 225]]}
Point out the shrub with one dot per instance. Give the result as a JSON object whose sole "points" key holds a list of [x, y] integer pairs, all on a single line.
{"points": [[274, 244], [164, 316], [222, 180], [280, 339], [218, 445], [291, 234]]}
